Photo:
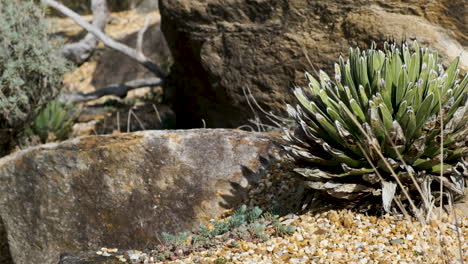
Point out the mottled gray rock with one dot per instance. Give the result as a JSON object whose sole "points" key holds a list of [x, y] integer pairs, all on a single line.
{"points": [[122, 191]]}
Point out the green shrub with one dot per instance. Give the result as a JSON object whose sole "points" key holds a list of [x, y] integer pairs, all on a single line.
{"points": [[30, 72], [382, 112]]}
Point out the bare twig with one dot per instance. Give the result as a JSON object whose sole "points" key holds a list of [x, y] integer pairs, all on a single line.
{"points": [[118, 121], [275, 119], [262, 125], [397, 200], [304, 51], [457, 227], [426, 202], [141, 34], [256, 118], [129, 117], [441, 155], [138, 119], [402, 207], [132, 53], [80, 51], [119, 90], [246, 126], [157, 113]]}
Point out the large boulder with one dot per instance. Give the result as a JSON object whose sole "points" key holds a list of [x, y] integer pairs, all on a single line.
{"points": [[122, 191], [223, 47], [5, 257]]}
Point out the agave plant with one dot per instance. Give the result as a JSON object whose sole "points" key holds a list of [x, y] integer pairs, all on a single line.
{"points": [[54, 122], [392, 122]]}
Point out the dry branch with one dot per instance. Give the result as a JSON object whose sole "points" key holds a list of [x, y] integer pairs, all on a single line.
{"points": [[80, 51], [132, 53], [141, 34], [119, 90]]}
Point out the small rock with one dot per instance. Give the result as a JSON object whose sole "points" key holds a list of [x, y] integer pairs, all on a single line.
{"points": [[347, 221], [396, 241]]}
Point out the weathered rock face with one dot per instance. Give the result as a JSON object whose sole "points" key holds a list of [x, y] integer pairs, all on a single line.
{"points": [[221, 47], [5, 257], [122, 191]]}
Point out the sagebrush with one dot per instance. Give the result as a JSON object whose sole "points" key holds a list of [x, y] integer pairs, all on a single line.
{"points": [[30, 72]]}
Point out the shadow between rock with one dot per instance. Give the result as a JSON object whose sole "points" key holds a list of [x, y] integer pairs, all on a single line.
{"points": [[114, 67], [5, 256]]}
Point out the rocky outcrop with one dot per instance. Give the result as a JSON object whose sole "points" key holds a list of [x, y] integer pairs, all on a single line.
{"points": [[122, 191], [223, 47]]}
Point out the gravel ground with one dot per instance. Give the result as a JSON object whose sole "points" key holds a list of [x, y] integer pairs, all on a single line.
{"points": [[340, 236], [347, 237], [336, 236]]}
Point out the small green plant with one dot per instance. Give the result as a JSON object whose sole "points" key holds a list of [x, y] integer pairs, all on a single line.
{"points": [[30, 72], [242, 217], [163, 256], [257, 230], [54, 122], [174, 240], [392, 123], [220, 261], [282, 229]]}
